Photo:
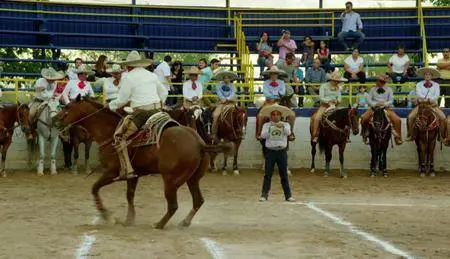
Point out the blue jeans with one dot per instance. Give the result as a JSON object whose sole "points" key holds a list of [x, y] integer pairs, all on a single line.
{"points": [[357, 35], [278, 157]]}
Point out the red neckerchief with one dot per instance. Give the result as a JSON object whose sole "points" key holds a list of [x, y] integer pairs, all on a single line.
{"points": [[274, 84], [428, 84], [194, 86], [81, 85], [59, 88]]}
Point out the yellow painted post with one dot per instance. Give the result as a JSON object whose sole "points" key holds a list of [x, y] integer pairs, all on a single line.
{"points": [[332, 24], [16, 85], [350, 94], [103, 94]]}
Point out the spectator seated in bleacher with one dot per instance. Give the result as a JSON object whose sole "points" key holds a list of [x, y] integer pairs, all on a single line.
{"points": [[351, 27], [308, 51], [443, 66], [315, 75], [290, 69], [362, 98], [72, 72], [192, 88], [286, 44], [264, 48], [205, 78], [398, 66], [324, 55], [354, 67]]}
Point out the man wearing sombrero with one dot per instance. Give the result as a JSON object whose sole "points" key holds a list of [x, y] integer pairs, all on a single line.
{"points": [[78, 86], [146, 95], [330, 97], [276, 134], [111, 84], [192, 88], [226, 93], [381, 96], [273, 89], [45, 88], [427, 91]]}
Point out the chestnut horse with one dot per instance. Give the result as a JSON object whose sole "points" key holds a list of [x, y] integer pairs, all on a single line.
{"points": [[9, 115], [426, 132], [335, 130], [380, 132], [181, 156], [232, 124]]}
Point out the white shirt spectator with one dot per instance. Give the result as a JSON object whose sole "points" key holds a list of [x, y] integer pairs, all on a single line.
{"points": [[351, 21], [49, 89], [189, 92], [431, 93], [354, 64], [72, 90], [72, 73], [111, 91], [140, 87], [398, 63], [163, 71]]}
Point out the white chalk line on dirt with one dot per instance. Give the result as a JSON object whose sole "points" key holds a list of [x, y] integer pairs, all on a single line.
{"points": [[384, 244], [87, 241], [370, 204], [215, 250]]}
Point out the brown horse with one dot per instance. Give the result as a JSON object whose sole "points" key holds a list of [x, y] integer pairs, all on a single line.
{"points": [[232, 124], [335, 130], [180, 156], [77, 135], [426, 128], [9, 115], [447, 122]]}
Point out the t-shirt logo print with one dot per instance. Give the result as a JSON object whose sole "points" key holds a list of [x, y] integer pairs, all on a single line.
{"points": [[275, 133]]}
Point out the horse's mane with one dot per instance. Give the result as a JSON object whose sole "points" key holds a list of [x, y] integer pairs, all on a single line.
{"points": [[339, 113], [99, 106]]}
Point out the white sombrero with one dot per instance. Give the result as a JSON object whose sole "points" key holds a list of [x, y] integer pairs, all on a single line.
{"points": [[336, 76], [434, 73], [274, 70], [116, 68], [193, 70], [221, 74], [51, 74], [285, 111], [134, 59], [84, 69]]}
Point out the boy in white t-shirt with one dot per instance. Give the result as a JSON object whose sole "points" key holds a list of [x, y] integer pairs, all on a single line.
{"points": [[398, 66], [354, 67]]}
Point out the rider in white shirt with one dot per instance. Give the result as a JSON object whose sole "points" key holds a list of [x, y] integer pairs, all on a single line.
{"points": [[111, 84], [78, 86], [192, 88], [146, 94]]}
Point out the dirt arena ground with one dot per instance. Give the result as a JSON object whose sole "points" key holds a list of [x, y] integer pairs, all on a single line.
{"points": [[403, 216]]}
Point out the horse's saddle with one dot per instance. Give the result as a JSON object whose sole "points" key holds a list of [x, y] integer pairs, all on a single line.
{"points": [[152, 130]]}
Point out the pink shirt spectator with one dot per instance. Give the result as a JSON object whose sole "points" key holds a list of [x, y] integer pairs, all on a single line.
{"points": [[285, 47]]}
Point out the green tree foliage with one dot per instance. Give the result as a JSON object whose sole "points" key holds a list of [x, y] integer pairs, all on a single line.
{"points": [[440, 2]]}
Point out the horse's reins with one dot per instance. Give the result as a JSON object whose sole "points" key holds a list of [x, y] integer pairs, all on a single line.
{"points": [[82, 119], [346, 130]]}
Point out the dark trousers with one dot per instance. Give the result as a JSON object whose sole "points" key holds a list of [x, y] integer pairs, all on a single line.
{"points": [[361, 77], [278, 157]]}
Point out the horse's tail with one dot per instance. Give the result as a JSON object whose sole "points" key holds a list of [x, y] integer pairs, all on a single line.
{"points": [[322, 143], [222, 147]]}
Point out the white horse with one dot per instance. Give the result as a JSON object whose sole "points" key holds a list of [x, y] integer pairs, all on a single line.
{"points": [[47, 132]]}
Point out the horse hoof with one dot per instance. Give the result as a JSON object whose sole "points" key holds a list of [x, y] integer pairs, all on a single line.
{"points": [[289, 173], [4, 174], [53, 172], [373, 175], [385, 175], [236, 172], [40, 173], [325, 175], [128, 223], [158, 226], [313, 170], [422, 174], [224, 172], [184, 223], [344, 176], [433, 174]]}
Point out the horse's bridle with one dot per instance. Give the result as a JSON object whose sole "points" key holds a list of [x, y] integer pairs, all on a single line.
{"points": [[348, 126]]}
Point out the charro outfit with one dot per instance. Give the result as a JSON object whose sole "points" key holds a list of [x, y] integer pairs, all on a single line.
{"points": [[381, 94], [146, 94]]}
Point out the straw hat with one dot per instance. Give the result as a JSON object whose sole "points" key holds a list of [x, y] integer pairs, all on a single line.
{"points": [[434, 73], [193, 70], [274, 70], [84, 69], [336, 76], [285, 111], [51, 74], [220, 75], [134, 59], [114, 69]]}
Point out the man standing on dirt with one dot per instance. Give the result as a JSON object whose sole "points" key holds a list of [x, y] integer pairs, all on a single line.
{"points": [[276, 133]]}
